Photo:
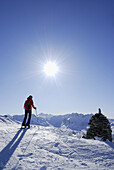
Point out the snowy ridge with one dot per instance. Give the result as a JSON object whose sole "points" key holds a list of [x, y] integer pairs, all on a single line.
{"points": [[8, 120], [73, 121], [50, 147]]}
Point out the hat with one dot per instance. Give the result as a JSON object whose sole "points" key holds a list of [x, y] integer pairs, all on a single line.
{"points": [[30, 97]]}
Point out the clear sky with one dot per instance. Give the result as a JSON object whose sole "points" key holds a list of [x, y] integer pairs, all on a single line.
{"points": [[76, 34]]}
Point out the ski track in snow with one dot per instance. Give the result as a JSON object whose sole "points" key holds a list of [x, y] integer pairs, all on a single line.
{"points": [[51, 148]]}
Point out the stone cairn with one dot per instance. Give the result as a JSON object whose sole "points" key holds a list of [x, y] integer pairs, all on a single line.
{"points": [[100, 127]]}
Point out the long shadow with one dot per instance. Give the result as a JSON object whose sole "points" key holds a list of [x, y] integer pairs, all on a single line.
{"points": [[7, 152], [111, 144]]}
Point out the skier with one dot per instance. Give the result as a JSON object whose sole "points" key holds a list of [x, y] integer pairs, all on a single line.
{"points": [[28, 110]]}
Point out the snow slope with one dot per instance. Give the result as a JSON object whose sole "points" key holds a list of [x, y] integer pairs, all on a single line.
{"points": [[51, 148], [73, 121]]}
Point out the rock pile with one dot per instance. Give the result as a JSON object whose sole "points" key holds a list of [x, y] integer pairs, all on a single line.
{"points": [[100, 127]]}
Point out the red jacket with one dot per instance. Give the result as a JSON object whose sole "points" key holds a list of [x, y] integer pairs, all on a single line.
{"points": [[29, 104]]}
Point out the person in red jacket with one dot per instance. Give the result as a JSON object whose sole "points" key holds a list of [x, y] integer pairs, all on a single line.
{"points": [[28, 110]]}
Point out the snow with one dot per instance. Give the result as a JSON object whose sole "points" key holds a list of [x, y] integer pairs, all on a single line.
{"points": [[73, 121], [52, 143]]}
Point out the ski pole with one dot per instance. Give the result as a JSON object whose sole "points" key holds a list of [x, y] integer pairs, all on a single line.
{"points": [[36, 112], [36, 115]]}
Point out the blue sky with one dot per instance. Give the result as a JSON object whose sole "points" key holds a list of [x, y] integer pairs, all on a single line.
{"points": [[78, 35]]}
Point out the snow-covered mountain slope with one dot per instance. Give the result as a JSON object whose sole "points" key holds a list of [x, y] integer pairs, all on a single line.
{"points": [[51, 148], [73, 121]]}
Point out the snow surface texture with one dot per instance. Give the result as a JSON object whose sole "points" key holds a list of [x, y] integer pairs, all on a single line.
{"points": [[56, 145]]}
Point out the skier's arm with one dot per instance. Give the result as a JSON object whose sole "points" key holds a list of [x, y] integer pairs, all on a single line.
{"points": [[33, 105]]}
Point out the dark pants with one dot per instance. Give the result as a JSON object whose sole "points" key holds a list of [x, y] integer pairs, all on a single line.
{"points": [[27, 112]]}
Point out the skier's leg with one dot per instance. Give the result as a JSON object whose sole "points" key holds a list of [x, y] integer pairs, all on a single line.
{"points": [[23, 124], [28, 123]]}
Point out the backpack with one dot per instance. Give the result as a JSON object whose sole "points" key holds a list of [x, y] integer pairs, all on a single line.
{"points": [[28, 106]]}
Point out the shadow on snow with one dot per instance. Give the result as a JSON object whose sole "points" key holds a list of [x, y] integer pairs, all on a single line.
{"points": [[111, 144], [7, 152]]}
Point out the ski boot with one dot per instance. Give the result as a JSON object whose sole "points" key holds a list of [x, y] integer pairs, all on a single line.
{"points": [[23, 126], [27, 125]]}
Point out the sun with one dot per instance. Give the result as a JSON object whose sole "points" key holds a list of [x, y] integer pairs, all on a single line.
{"points": [[50, 68]]}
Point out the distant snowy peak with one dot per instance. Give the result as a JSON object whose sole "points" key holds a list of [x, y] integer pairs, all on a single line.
{"points": [[72, 121], [77, 121], [7, 120]]}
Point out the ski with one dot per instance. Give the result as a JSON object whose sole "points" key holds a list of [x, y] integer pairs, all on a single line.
{"points": [[28, 127]]}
